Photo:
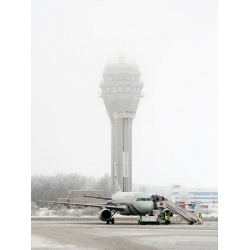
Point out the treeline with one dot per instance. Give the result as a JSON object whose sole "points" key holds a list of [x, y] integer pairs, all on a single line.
{"points": [[51, 187]]}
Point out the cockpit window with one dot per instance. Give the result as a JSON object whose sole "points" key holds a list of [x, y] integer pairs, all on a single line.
{"points": [[138, 199], [148, 199], [143, 199]]}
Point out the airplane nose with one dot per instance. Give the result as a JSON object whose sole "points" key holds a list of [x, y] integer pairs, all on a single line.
{"points": [[151, 206], [147, 208]]}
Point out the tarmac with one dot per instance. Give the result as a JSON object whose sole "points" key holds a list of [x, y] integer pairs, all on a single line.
{"points": [[92, 234]]}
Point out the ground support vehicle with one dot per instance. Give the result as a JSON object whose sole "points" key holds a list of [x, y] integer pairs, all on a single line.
{"points": [[149, 219], [169, 208]]}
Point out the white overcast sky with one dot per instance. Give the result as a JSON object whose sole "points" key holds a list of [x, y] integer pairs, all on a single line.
{"points": [[175, 45]]}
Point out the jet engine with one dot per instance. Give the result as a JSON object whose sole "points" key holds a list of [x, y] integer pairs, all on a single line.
{"points": [[104, 214]]}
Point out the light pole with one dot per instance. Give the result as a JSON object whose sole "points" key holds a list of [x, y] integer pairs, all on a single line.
{"points": [[195, 197], [172, 194], [183, 195], [195, 194]]}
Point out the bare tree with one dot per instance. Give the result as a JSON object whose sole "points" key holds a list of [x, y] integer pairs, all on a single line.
{"points": [[104, 183], [33, 209]]}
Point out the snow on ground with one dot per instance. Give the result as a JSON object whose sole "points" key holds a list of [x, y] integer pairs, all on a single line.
{"points": [[42, 242], [213, 212], [209, 215]]}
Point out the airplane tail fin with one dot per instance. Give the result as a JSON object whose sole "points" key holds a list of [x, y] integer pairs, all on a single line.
{"points": [[116, 186]]}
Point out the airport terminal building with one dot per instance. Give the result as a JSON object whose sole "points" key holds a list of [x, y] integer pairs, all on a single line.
{"points": [[181, 195]]}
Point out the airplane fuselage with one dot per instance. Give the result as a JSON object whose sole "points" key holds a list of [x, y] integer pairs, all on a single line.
{"points": [[134, 203]]}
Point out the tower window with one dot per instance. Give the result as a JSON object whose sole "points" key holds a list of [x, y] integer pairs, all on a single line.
{"points": [[134, 90], [127, 89], [121, 89], [108, 90], [113, 90], [138, 91]]}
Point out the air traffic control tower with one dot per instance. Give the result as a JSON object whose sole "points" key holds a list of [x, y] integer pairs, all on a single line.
{"points": [[121, 92]]}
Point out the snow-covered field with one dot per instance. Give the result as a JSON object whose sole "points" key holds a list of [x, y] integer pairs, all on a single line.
{"points": [[208, 213]]}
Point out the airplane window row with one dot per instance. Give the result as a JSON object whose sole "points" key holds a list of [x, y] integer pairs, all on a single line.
{"points": [[126, 90], [143, 199]]}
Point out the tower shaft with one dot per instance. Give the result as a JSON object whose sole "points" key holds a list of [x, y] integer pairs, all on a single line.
{"points": [[121, 152], [121, 92]]}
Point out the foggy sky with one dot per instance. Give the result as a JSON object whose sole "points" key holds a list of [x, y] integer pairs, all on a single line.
{"points": [[175, 45]]}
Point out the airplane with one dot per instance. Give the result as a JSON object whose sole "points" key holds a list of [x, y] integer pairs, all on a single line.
{"points": [[126, 203]]}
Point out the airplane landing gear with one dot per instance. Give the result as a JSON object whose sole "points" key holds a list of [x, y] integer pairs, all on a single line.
{"points": [[112, 221]]}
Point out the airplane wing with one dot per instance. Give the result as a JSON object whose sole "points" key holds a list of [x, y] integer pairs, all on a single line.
{"points": [[98, 197], [90, 196], [99, 205], [117, 208], [80, 204], [190, 204], [103, 205], [46, 201]]}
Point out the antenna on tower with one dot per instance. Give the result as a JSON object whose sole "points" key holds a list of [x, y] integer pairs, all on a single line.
{"points": [[121, 57]]}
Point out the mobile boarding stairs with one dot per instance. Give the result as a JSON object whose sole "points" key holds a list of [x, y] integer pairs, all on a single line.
{"points": [[170, 208]]}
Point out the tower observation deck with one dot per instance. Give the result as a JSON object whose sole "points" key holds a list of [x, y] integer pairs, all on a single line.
{"points": [[121, 92]]}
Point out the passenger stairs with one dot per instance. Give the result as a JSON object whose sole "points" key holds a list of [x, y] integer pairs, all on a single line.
{"points": [[170, 206]]}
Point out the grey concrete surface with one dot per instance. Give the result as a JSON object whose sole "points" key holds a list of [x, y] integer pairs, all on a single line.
{"points": [[95, 218], [122, 235]]}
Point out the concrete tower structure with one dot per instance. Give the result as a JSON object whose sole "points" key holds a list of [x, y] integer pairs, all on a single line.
{"points": [[121, 92]]}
